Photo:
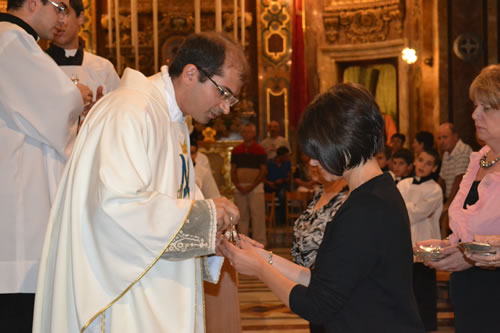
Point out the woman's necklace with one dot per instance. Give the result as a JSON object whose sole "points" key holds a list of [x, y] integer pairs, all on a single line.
{"points": [[486, 165]]}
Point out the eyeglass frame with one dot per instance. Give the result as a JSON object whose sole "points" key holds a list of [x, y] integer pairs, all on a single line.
{"points": [[227, 95], [61, 9]]}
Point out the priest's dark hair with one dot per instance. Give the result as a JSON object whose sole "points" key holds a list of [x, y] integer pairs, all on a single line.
{"points": [[77, 6], [209, 51], [17, 4], [342, 128]]}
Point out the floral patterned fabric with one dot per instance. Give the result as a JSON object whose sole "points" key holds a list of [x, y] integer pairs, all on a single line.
{"points": [[310, 227]]}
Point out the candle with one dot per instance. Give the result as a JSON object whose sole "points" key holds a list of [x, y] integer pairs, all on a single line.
{"points": [[133, 27], [235, 20], [155, 34], [117, 28], [110, 25], [197, 26], [243, 23], [218, 15]]}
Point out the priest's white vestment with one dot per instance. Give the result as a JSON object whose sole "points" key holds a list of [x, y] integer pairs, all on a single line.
{"points": [[38, 106], [115, 256]]}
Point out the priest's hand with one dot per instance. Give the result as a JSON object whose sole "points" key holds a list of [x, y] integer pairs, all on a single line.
{"points": [[226, 212], [86, 94]]}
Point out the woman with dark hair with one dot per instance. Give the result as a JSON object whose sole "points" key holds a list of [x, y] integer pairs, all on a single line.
{"points": [[362, 278]]}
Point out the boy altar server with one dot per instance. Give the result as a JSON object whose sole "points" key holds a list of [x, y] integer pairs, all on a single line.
{"points": [[424, 200]]}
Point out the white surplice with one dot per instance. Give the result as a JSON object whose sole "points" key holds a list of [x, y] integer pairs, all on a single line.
{"points": [[38, 105], [125, 194], [94, 71]]}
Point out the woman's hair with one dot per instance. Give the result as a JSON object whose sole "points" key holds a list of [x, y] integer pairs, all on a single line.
{"points": [[486, 87], [342, 128], [426, 138]]}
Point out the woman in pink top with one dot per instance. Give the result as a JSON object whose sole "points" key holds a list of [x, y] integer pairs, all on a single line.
{"points": [[475, 291]]}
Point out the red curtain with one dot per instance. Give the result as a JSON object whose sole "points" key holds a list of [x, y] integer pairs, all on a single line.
{"points": [[299, 96]]}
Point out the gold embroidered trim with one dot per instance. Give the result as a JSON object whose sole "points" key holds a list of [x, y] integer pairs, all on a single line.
{"points": [[140, 276]]}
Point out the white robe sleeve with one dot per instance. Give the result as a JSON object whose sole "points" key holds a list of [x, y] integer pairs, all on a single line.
{"points": [[420, 205], [42, 102]]}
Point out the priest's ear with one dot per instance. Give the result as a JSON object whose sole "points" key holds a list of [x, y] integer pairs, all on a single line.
{"points": [[81, 18], [190, 73]]}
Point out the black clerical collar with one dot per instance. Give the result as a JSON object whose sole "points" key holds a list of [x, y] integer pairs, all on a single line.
{"points": [[59, 55], [420, 180], [5, 17]]}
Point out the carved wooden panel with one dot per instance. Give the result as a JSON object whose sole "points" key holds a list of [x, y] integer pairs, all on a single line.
{"points": [[348, 22], [274, 58]]}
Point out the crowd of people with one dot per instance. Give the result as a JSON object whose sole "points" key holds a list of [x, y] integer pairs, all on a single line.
{"points": [[113, 220]]}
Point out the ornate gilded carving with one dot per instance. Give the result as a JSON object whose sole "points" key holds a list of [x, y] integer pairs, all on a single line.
{"points": [[275, 19], [274, 53], [219, 155], [88, 31], [365, 22]]}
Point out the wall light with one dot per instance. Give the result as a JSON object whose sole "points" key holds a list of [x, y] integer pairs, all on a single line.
{"points": [[409, 55]]}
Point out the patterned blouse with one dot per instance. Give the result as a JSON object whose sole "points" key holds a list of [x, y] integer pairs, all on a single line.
{"points": [[310, 227]]}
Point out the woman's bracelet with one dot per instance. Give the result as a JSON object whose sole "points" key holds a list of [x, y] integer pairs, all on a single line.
{"points": [[270, 258]]}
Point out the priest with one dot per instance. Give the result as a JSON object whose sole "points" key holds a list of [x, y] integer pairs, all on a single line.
{"points": [[129, 241], [38, 107]]}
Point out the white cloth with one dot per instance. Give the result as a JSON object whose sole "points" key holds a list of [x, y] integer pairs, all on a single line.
{"points": [[125, 194], [424, 203], [38, 105], [202, 160], [454, 164], [95, 71], [272, 144], [206, 182]]}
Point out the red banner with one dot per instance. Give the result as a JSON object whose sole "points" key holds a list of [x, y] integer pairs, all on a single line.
{"points": [[299, 96]]}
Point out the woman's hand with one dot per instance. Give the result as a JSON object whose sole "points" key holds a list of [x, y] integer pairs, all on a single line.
{"points": [[442, 243], [493, 240], [454, 260], [486, 261], [246, 260]]}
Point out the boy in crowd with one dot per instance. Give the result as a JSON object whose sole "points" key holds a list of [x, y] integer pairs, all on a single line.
{"points": [[384, 157], [397, 142], [401, 164], [424, 200]]}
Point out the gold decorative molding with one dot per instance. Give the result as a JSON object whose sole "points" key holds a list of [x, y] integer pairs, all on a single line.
{"points": [[274, 59], [88, 32], [349, 22], [283, 95], [275, 19], [219, 155]]}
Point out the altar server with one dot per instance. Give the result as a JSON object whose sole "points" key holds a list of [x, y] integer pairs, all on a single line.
{"points": [[38, 105], [81, 66]]}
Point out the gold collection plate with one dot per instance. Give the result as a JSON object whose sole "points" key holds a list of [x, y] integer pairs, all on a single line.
{"points": [[429, 253], [478, 248]]}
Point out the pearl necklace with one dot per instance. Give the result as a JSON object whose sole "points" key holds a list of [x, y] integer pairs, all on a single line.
{"points": [[487, 165]]}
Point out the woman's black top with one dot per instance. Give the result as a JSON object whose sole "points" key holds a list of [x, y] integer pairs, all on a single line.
{"points": [[362, 281]]}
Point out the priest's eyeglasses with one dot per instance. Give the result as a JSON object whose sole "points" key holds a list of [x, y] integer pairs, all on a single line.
{"points": [[226, 95], [60, 8]]}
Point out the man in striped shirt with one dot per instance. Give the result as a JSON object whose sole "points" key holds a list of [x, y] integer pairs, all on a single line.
{"points": [[453, 167]]}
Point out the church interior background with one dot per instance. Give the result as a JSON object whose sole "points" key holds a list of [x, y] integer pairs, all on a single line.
{"points": [[299, 48]]}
